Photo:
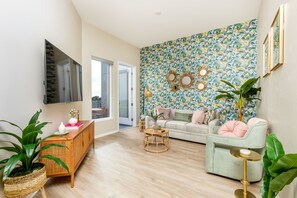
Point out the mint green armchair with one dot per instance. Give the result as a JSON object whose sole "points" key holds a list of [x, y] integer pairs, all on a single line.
{"points": [[219, 160]]}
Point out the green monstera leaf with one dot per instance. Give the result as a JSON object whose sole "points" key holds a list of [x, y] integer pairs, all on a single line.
{"points": [[280, 169]]}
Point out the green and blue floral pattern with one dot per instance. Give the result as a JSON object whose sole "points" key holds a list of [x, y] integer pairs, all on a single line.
{"points": [[229, 53]]}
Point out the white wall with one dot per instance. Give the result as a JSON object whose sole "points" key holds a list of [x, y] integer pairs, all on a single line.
{"points": [[24, 26], [102, 45], [279, 88]]}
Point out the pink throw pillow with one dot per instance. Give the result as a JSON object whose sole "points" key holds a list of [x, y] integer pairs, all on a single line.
{"points": [[254, 121], [198, 117], [166, 112], [238, 128]]}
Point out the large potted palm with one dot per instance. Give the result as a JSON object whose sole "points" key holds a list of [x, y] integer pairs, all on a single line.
{"points": [[240, 95], [22, 173]]}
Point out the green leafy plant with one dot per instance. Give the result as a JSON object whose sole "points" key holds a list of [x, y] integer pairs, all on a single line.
{"points": [[241, 95], [26, 152], [155, 115], [280, 168]]}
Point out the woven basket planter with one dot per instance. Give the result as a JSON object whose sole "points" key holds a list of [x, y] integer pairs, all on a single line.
{"points": [[18, 187]]}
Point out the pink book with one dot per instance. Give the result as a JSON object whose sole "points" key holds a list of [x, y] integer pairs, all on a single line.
{"points": [[69, 126]]}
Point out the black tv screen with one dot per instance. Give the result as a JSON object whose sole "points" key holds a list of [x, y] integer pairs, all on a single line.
{"points": [[63, 76]]}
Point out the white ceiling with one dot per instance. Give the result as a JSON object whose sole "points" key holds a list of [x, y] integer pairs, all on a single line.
{"points": [[146, 22]]}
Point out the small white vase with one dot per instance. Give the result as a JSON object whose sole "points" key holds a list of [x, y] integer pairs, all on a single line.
{"points": [[155, 126], [62, 128], [72, 121]]}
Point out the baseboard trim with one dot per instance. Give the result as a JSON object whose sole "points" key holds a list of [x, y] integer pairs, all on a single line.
{"points": [[105, 134]]}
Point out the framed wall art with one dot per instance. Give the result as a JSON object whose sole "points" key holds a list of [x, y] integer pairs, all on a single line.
{"points": [[277, 39], [266, 56]]}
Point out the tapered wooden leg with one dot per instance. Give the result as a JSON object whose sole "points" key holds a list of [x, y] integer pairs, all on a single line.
{"points": [[43, 194], [72, 180]]}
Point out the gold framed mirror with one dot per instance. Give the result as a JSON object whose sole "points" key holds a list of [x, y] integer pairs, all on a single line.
{"points": [[186, 80], [174, 87], [203, 71], [200, 86], [171, 76]]}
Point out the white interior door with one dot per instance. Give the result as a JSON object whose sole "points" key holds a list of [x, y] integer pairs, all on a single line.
{"points": [[125, 95]]}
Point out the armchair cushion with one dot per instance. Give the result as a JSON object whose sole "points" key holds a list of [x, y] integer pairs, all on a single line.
{"points": [[233, 128], [254, 121]]}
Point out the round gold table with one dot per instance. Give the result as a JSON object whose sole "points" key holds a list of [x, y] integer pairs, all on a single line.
{"points": [[156, 141], [254, 156]]}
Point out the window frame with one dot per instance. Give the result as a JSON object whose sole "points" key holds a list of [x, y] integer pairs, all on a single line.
{"points": [[111, 112]]}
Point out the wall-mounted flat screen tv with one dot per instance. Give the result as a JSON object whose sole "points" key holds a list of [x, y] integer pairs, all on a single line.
{"points": [[63, 77]]}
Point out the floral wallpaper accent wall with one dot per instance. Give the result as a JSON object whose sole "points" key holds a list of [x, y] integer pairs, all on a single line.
{"points": [[229, 53]]}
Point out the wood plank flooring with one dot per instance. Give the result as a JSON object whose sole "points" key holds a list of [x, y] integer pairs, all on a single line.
{"points": [[118, 167]]}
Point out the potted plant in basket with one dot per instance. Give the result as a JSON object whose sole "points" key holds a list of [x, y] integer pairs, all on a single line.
{"points": [[155, 117], [280, 168], [241, 95], [22, 173]]}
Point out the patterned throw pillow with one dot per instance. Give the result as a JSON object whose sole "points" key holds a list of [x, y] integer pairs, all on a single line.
{"points": [[209, 116]]}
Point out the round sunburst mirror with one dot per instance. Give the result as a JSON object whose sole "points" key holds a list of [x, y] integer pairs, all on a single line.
{"points": [[186, 80], [203, 71], [171, 76], [200, 86]]}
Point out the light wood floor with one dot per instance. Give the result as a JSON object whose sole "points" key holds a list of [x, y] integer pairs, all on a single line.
{"points": [[120, 168]]}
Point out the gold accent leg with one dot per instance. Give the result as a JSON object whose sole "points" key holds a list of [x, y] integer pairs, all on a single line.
{"points": [[245, 178], [244, 193], [72, 180], [43, 194]]}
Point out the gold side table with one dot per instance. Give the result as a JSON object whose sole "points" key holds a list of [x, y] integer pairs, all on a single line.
{"points": [[141, 125], [156, 141], [254, 156]]}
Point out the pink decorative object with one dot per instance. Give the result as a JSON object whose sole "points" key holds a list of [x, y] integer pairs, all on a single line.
{"points": [[69, 126], [166, 112], [238, 128], [198, 117], [72, 121], [254, 121]]}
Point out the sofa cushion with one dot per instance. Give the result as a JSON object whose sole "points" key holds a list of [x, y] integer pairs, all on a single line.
{"points": [[238, 128], [166, 112], [162, 123], [187, 117], [198, 117], [178, 125], [197, 128]]}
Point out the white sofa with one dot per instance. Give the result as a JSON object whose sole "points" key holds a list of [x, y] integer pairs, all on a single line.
{"points": [[185, 130]]}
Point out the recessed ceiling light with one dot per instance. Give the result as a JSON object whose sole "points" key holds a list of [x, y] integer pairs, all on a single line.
{"points": [[158, 12]]}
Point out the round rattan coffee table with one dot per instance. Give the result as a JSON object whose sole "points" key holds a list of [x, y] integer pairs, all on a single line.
{"points": [[156, 141]]}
